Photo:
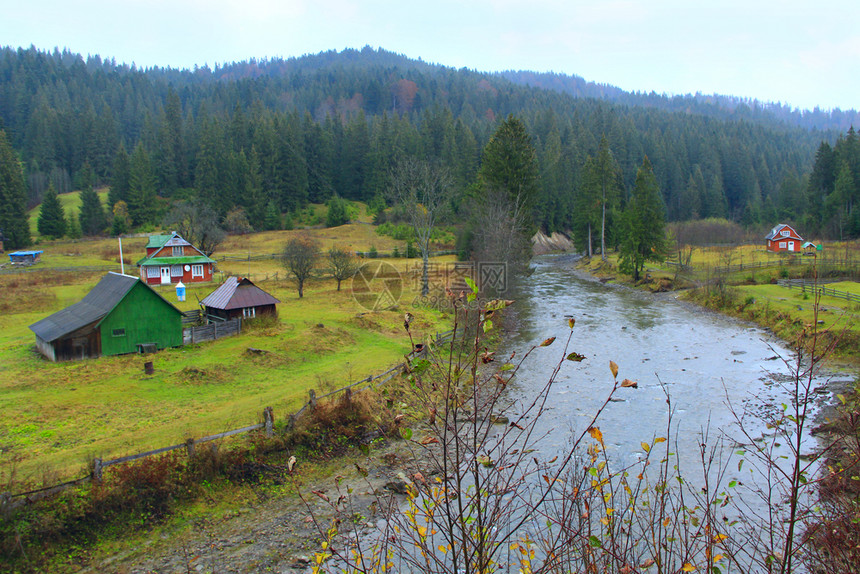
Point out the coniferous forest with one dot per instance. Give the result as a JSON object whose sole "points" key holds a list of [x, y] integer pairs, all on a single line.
{"points": [[269, 136]]}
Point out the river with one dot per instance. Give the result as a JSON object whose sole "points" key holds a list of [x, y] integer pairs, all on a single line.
{"points": [[700, 358]]}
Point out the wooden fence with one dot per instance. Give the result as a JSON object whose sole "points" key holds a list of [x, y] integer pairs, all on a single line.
{"points": [[212, 331], [817, 287], [10, 501]]}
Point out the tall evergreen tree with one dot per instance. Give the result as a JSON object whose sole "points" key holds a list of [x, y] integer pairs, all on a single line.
{"points": [[602, 187], [509, 164], [644, 235], [14, 226], [120, 176], [92, 215], [52, 218], [142, 188]]}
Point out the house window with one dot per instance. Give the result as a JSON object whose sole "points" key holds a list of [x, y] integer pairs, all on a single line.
{"points": [[177, 251], [197, 270], [153, 272], [118, 333], [249, 312], [176, 270], [782, 244], [785, 233]]}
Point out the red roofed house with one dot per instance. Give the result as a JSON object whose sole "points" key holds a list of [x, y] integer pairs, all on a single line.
{"points": [[783, 238], [171, 259], [239, 298]]}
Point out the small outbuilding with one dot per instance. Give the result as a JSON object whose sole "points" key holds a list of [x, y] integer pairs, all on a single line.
{"points": [[239, 298], [783, 238], [25, 257], [121, 314]]}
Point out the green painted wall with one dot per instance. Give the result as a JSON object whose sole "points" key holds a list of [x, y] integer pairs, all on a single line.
{"points": [[146, 318]]}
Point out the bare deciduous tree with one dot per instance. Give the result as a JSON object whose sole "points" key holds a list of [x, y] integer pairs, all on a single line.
{"points": [[501, 231], [423, 189], [197, 223], [299, 258], [342, 264]]}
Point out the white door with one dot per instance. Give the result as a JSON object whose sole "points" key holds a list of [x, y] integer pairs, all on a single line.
{"points": [[791, 245], [165, 275]]}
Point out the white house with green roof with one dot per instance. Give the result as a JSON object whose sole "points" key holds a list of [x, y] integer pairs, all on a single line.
{"points": [[171, 259]]}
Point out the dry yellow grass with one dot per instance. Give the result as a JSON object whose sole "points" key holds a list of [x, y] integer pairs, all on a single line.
{"points": [[57, 417]]}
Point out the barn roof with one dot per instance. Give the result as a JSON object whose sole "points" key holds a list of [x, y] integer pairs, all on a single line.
{"points": [[237, 293], [93, 307]]}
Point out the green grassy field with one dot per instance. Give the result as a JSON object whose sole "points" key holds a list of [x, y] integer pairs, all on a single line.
{"points": [[57, 416]]}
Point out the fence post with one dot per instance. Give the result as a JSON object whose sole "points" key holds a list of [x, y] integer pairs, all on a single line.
{"points": [[312, 401], [347, 396], [269, 420], [189, 447], [97, 469], [5, 500], [292, 422]]}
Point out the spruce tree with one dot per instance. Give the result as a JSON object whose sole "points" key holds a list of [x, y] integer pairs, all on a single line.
{"points": [[509, 164], [644, 235], [52, 218], [92, 215], [142, 188], [14, 227], [120, 176]]}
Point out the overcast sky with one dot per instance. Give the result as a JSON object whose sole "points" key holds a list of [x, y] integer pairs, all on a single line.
{"points": [[800, 53]]}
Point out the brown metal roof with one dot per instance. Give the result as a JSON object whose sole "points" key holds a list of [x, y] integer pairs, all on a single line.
{"points": [[237, 293]]}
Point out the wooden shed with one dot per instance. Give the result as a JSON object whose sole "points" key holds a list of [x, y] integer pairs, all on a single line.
{"points": [[121, 314], [25, 257], [239, 298]]}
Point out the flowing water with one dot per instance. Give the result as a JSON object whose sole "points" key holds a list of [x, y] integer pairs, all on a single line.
{"points": [[710, 366]]}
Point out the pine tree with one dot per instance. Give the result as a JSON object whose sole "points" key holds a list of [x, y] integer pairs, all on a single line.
{"points": [[509, 164], [644, 235], [141, 192], [120, 176], [92, 215], [52, 218], [14, 226], [601, 189]]}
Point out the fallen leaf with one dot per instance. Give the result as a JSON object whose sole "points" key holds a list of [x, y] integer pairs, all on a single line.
{"points": [[629, 383]]}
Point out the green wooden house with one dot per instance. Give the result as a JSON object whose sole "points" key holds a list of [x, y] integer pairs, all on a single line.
{"points": [[120, 315]]}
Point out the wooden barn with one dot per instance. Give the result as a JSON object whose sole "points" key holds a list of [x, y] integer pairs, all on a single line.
{"points": [[171, 259], [239, 298], [121, 314], [783, 238]]}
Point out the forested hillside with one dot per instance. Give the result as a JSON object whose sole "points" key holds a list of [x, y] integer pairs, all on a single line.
{"points": [[269, 136]]}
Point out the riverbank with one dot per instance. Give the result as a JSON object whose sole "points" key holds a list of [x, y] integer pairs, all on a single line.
{"points": [[826, 330]]}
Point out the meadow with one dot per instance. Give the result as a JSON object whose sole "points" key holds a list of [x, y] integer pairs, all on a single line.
{"points": [[56, 417]]}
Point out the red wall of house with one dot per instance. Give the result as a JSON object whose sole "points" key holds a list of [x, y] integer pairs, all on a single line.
{"points": [[186, 276]]}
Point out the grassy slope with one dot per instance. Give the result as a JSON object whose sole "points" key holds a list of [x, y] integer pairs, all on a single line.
{"points": [[56, 417], [71, 203]]}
